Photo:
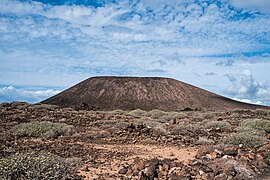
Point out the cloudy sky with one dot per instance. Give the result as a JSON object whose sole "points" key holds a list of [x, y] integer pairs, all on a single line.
{"points": [[47, 46]]}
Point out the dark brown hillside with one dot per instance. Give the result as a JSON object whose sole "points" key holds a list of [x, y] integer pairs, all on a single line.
{"points": [[147, 93]]}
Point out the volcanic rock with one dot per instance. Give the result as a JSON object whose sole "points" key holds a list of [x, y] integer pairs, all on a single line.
{"points": [[147, 93]]}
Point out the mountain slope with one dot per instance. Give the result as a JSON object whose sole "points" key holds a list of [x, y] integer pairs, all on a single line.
{"points": [[147, 93]]}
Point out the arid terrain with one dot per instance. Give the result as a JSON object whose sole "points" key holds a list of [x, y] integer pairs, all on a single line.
{"points": [[146, 93], [137, 144]]}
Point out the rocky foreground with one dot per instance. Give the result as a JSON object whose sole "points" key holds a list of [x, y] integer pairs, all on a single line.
{"points": [[135, 144]]}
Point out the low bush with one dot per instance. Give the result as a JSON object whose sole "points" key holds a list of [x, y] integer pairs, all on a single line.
{"points": [[118, 112], [246, 139], [37, 165], [218, 125], [137, 113], [155, 114], [178, 115], [170, 116], [164, 119], [42, 129], [262, 112], [251, 131], [259, 124], [185, 129], [45, 106]]}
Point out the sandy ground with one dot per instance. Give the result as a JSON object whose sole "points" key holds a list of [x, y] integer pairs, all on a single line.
{"points": [[139, 151]]}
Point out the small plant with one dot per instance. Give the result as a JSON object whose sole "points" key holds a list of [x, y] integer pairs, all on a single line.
{"points": [[246, 139], [36, 165], [164, 119], [205, 141], [218, 125], [155, 114], [42, 129], [160, 130], [137, 113], [259, 124]]}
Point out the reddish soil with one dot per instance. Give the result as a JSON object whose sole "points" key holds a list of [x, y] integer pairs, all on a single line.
{"points": [[118, 145]]}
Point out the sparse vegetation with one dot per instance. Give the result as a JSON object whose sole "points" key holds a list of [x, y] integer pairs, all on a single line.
{"points": [[184, 129], [258, 124], [115, 136], [246, 139], [42, 129], [262, 112], [160, 130], [218, 125], [205, 141], [164, 119], [36, 165], [45, 106], [155, 114], [119, 112], [150, 124], [177, 115], [137, 113], [251, 131], [169, 116]]}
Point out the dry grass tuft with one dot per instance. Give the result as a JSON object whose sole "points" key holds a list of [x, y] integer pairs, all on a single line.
{"points": [[205, 141]]}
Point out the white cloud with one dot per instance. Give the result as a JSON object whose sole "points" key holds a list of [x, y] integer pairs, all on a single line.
{"points": [[10, 93], [48, 45], [244, 86], [160, 3], [258, 5]]}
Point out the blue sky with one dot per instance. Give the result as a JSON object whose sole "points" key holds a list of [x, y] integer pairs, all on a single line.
{"points": [[47, 46]]}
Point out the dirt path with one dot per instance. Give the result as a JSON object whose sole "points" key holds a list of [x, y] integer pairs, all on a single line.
{"points": [[150, 151], [135, 151]]}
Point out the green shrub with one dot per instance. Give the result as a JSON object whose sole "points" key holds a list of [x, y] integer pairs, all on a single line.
{"points": [[178, 115], [155, 114], [246, 139], [169, 116], [42, 129], [137, 113], [36, 165], [262, 112], [118, 112], [164, 119], [259, 124], [251, 131], [218, 125]]}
